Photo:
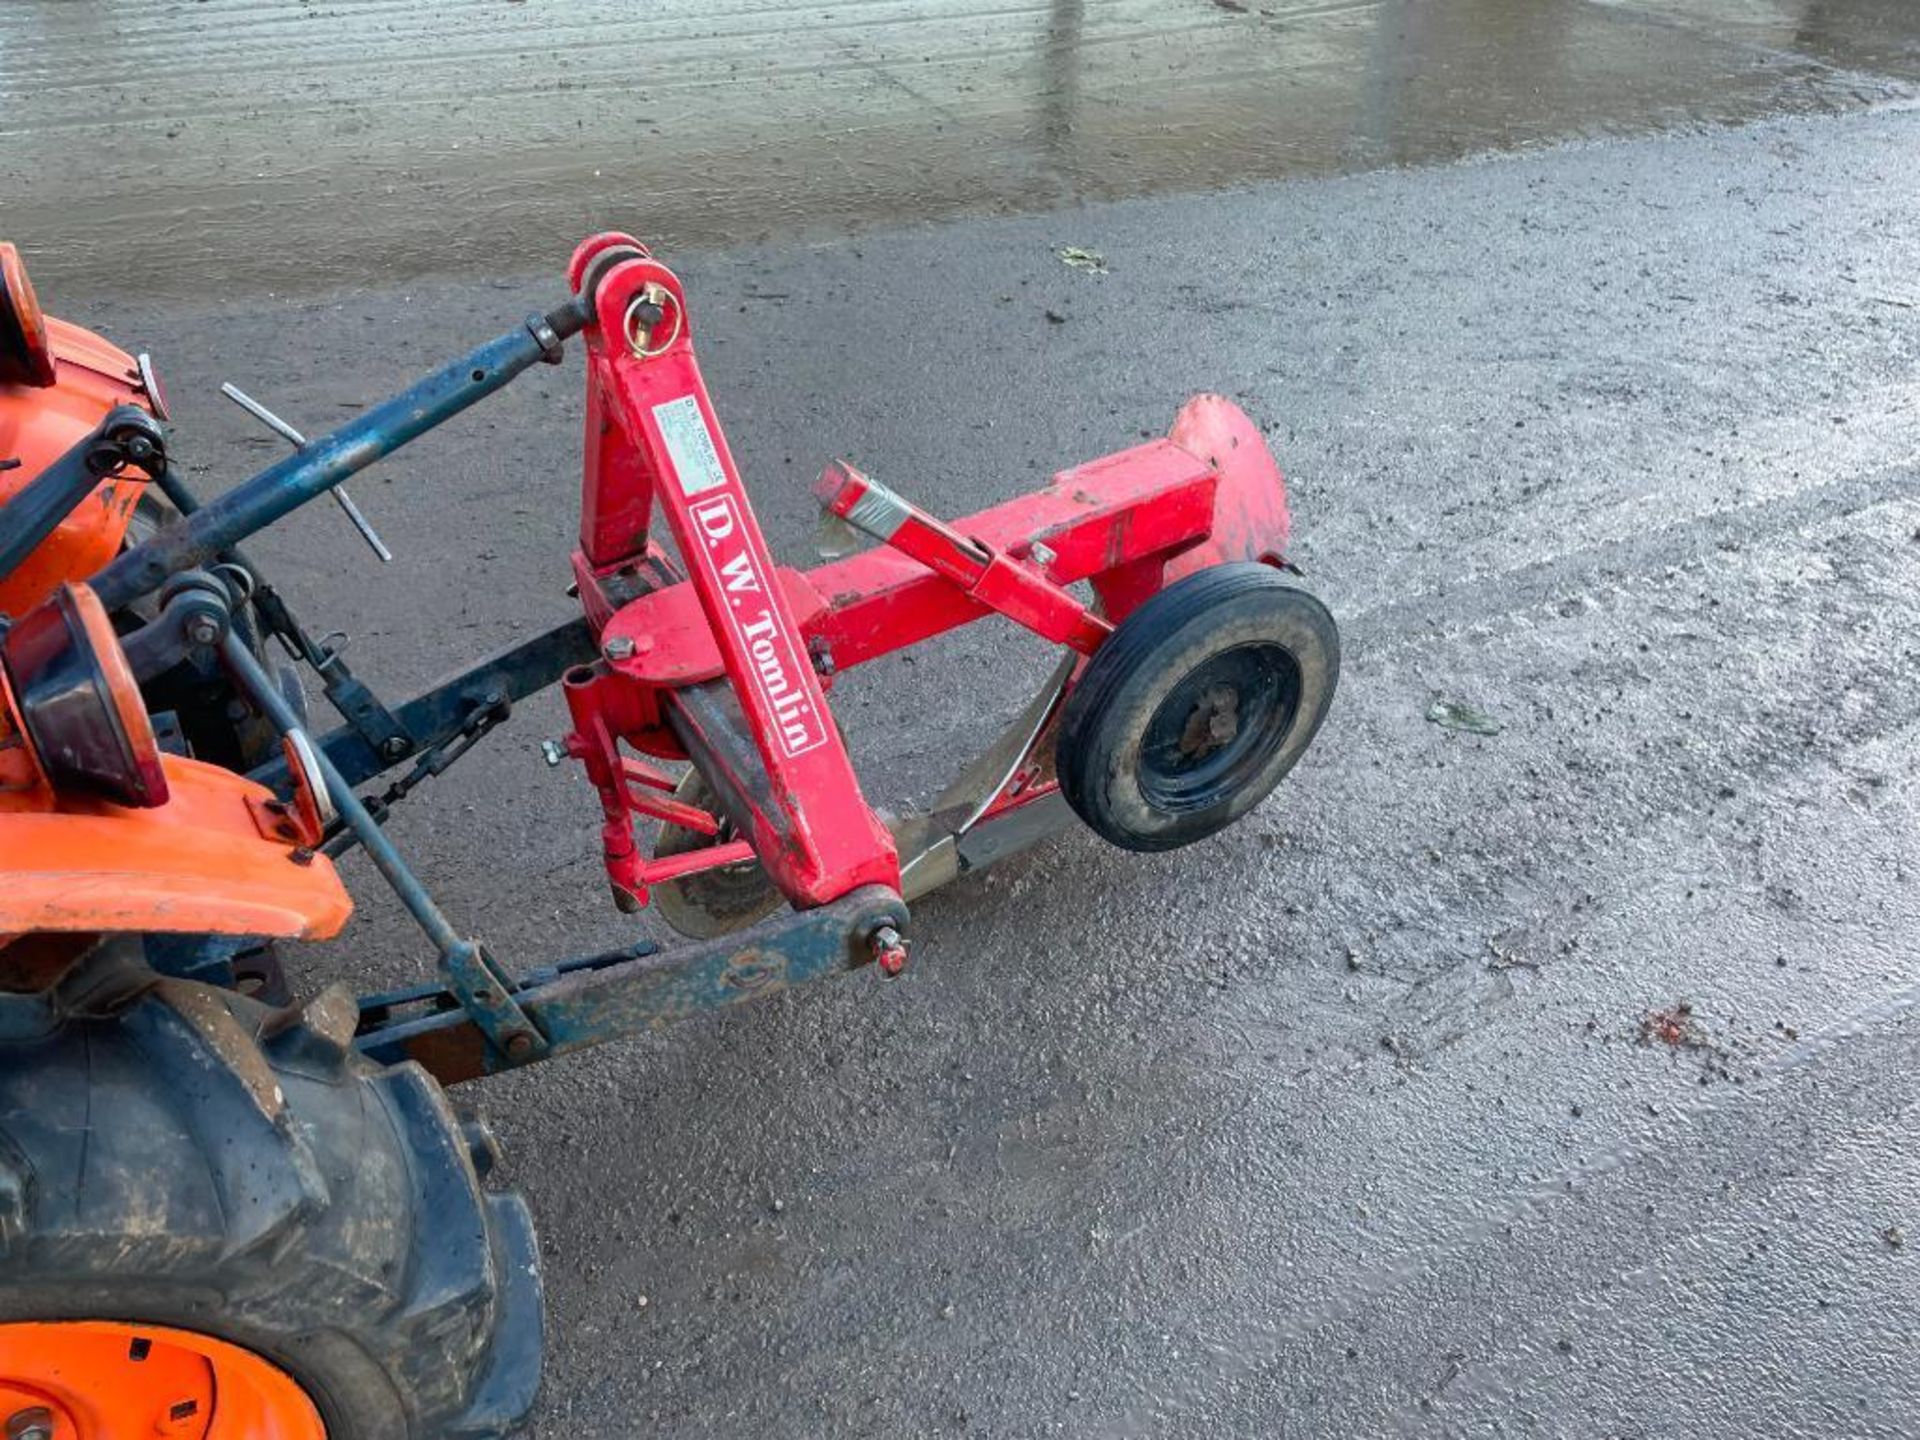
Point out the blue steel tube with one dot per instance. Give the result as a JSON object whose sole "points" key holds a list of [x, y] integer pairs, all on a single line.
{"points": [[283, 488], [39, 506]]}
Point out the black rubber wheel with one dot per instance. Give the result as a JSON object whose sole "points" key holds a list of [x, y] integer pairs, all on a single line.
{"points": [[197, 1160], [1197, 706]]}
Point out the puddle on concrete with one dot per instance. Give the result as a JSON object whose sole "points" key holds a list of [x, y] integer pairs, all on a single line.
{"points": [[245, 145], [1871, 36]]}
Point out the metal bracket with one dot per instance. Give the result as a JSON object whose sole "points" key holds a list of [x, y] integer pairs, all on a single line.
{"points": [[430, 720], [357, 704], [127, 436], [485, 991]]}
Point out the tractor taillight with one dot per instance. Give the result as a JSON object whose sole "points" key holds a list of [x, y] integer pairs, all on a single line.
{"points": [[79, 704]]}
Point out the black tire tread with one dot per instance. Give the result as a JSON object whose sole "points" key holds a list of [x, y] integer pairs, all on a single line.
{"points": [[201, 1160]]}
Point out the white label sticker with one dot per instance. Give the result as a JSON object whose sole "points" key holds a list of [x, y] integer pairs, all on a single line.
{"points": [[696, 463]]}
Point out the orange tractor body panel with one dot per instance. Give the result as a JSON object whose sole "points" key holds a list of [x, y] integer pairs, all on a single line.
{"points": [[215, 859], [221, 856], [38, 424]]}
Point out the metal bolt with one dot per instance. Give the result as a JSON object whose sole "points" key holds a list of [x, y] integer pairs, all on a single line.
{"points": [[33, 1423], [889, 950], [394, 746], [552, 751], [519, 1045], [620, 647], [1042, 555], [203, 629]]}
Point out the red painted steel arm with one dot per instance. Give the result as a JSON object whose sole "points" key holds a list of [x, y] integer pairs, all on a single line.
{"points": [[1106, 519], [990, 576], [814, 831], [617, 484]]}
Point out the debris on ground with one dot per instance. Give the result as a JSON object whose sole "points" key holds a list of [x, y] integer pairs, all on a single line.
{"points": [[1505, 959], [1459, 715], [1679, 1029], [1895, 1237], [1077, 258], [1675, 1028]]}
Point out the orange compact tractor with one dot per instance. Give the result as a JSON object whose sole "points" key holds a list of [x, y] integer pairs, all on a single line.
{"points": [[226, 1211]]}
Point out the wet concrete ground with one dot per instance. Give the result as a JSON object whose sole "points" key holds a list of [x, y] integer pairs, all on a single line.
{"points": [[297, 145], [1340, 1123]]}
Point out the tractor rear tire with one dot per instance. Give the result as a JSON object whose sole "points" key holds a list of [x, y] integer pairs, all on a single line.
{"points": [[199, 1161]]}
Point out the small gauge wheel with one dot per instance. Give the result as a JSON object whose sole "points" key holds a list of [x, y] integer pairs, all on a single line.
{"points": [[711, 902], [1197, 706]]}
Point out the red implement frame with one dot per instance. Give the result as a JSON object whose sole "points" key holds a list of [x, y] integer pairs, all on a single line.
{"points": [[732, 663]]}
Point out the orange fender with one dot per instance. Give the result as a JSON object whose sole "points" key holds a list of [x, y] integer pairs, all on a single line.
{"points": [[219, 857]]}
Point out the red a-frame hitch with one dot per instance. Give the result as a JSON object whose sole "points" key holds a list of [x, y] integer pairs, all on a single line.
{"points": [[730, 664]]}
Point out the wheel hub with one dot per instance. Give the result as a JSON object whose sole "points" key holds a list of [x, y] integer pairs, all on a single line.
{"points": [[1216, 727], [30, 1415], [105, 1380], [1214, 722]]}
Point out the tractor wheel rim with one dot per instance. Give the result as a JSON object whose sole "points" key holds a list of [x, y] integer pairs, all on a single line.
{"points": [[114, 1380]]}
